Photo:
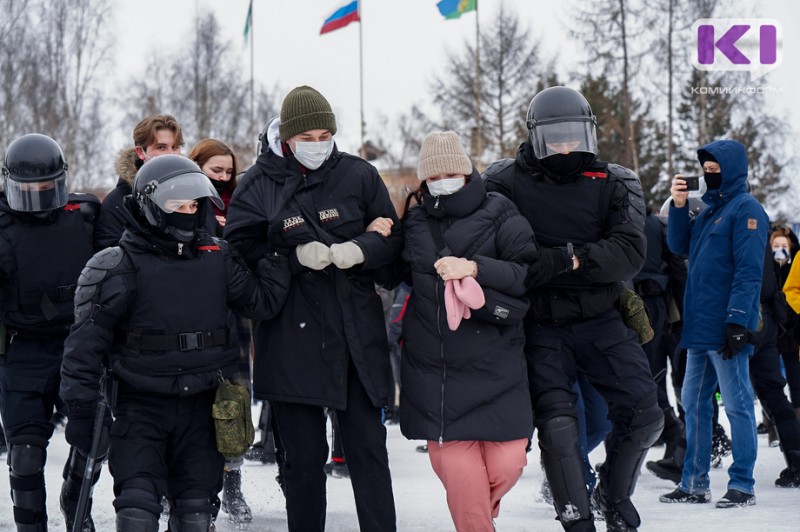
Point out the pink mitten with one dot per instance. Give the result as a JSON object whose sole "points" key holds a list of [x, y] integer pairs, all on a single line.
{"points": [[470, 293], [455, 307]]}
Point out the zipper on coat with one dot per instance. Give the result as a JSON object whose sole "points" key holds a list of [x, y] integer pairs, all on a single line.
{"points": [[180, 248], [444, 366]]}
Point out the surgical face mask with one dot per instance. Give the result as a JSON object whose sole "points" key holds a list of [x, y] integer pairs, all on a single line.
{"points": [[446, 186], [713, 180], [313, 154], [781, 255]]}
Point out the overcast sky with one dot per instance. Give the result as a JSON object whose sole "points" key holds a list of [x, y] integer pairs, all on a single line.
{"points": [[405, 43]]}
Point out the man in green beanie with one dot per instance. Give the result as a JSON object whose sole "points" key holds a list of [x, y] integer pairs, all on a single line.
{"points": [[328, 346]]}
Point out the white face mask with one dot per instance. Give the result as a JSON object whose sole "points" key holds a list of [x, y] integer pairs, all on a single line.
{"points": [[313, 154], [781, 255], [446, 186]]}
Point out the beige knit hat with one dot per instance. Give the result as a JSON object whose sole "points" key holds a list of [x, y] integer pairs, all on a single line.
{"points": [[442, 153], [304, 109]]}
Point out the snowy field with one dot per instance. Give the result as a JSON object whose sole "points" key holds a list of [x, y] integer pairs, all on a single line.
{"points": [[421, 505]]}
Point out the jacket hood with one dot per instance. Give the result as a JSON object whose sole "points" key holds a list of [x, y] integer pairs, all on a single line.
{"points": [[732, 159], [126, 165]]}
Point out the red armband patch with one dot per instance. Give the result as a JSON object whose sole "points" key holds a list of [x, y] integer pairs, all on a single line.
{"points": [[752, 224]]}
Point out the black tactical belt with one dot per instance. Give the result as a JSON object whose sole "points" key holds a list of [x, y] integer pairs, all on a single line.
{"points": [[176, 342]]}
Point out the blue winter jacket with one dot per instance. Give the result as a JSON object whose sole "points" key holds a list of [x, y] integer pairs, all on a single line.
{"points": [[725, 244]]}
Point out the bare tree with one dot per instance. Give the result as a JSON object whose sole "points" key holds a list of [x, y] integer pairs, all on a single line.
{"points": [[609, 28], [512, 70], [50, 81], [203, 87]]}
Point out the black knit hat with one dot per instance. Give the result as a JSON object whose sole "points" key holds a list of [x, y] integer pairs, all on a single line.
{"points": [[305, 109]]}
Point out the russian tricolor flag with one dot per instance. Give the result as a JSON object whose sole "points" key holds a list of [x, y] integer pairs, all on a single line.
{"points": [[341, 18]]}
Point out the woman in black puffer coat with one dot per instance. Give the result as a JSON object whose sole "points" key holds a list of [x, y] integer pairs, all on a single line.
{"points": [[464, 390]]}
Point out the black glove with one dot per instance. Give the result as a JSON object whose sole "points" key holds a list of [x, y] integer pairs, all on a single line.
{"points": [[736, 338], [80, 424], [544, 264]]}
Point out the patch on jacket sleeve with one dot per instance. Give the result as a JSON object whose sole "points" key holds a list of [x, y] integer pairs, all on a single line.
{"points": [[752, 224]]}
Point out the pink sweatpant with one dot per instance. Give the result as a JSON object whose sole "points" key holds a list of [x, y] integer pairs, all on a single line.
{"points": [[476, 475]]}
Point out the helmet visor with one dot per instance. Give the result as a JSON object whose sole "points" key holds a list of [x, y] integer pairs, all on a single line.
{"points": [[176, 191], [562, 137], [37, 196]]}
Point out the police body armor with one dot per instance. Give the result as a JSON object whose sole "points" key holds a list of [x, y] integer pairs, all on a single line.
{"points": [[570, 295], [170, 349], [48, 255]]}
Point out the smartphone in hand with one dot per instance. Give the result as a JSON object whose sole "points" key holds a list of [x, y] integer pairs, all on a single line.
{"points": [[692, 182]]}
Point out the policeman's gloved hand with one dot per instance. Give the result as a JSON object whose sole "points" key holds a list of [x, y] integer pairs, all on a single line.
{"points": [[314, 255], [736, 338], [80, 425], [544, 264], [346, 255]]}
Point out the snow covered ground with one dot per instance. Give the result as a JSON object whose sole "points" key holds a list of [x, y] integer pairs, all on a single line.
{"points": [[421, 505]]}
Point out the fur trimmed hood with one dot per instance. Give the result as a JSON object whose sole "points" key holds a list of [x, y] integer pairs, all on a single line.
{"points": [[126, 166]]}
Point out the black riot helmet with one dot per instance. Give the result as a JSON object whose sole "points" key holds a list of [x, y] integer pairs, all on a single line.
{"points": [[165, 183], [560, 120], [35, 174]]}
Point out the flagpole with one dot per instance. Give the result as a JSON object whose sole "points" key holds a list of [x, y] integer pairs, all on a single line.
{"points": [[252, 84], [362, 150], [479, 139]]}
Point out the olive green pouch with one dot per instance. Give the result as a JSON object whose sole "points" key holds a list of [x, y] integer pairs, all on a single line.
{"points": [[634, 314], [233, 422]]}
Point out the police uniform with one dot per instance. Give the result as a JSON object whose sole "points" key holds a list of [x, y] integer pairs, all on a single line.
{"points": [[594, 210], [158, 308], [45, 240]]}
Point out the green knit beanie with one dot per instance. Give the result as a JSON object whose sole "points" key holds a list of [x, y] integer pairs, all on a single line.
{"points": [[305, 109]]}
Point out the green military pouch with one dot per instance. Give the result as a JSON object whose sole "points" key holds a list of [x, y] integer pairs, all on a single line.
{"points": [[233, 422], [634, 314]]}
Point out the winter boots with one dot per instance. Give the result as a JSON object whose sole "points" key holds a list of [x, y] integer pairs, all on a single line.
{"points": [[337, 468], [790, 477], [720, 446], [68, 501], [233, 502]]}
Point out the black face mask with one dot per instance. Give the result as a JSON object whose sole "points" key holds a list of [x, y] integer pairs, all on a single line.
{"points": [[220, 186], [568, 165], [181, 226], [713, 180]]}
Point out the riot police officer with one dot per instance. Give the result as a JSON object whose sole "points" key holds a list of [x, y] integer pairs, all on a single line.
{"points": [[158, 307], [46, 237], [588, 217]]}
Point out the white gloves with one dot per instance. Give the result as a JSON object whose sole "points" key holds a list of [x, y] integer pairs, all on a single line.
{"points": [[314, 255], [346, 255], [318, 256]]}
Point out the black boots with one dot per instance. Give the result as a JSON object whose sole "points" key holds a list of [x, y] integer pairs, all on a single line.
{"points": [[233, 502], [790, 477]]}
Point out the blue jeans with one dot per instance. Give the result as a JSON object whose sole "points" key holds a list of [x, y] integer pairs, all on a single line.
{"points": [[703, 370]]}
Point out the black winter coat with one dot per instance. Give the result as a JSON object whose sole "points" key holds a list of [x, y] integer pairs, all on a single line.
{"points": [[471, 383], [594, 213], [41, 257], [166, 291], [331, 316], [112, 220]]}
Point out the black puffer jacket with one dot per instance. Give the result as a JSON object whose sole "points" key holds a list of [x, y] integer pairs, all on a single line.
{"points": [[112, 220], [164, 292], [471, 383], [330, 316]]}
